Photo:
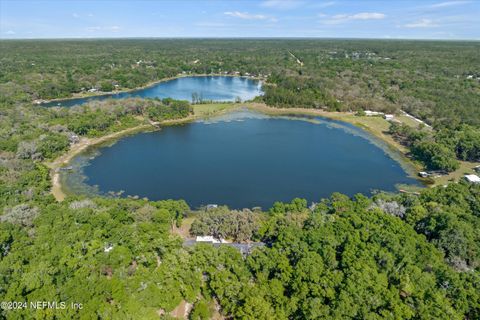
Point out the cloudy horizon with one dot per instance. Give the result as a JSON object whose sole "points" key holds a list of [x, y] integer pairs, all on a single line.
{"points": [[449, 20]]}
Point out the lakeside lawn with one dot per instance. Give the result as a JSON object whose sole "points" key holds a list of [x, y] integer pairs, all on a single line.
{"points": [[211, 109], [464, 168]]}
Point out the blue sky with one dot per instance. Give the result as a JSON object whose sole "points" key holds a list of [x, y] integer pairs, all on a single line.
{"points": [[448, 19]]}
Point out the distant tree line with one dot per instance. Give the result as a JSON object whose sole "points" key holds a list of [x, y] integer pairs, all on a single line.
{"points": [[435, 81]]}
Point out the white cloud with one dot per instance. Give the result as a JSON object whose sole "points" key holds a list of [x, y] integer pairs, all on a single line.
{"points": [[339, 18], [422, 23], [448, 4], [281, 4], [93, 29], [77, 15], [361, 16], [10, 32], [113, 28], [246, 15], [324, 4]]}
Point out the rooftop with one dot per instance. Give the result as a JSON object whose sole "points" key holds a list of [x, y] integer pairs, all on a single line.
{"points": [[472, 178]]}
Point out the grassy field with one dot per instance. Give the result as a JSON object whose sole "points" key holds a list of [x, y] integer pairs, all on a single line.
{"points": [[407, 120], [184, 230], [212, 109], [465, 168]]}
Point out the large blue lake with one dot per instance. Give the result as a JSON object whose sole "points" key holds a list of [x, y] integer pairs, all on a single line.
{"points": [[243, 159], [211, 88]]}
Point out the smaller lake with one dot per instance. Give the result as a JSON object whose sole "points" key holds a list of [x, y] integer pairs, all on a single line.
{"points": [[209, 88], [243, 159]]}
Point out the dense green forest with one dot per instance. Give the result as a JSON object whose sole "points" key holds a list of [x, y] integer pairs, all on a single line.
{"points": [[391, 256], [394, 257], [439, 150], [429, 79]]}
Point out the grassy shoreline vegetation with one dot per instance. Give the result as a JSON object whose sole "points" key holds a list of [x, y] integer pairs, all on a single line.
{"points": [[394, 256]]}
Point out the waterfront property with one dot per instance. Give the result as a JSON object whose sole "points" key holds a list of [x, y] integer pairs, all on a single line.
{"points": [[209, 239], [244, 248]]}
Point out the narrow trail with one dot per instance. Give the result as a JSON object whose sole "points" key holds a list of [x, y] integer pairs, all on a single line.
{"points": [[300, 62]]}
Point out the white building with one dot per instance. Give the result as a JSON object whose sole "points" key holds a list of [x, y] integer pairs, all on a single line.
{"points": [[424, 174], [373, 113], [472, 178], [210, 239]]}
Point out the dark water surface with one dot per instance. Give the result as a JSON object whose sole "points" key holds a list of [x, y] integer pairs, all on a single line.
{"points": [[214, 88], [244, 160]]}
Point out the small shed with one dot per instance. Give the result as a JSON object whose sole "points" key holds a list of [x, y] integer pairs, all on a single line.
{"points": [[424, 174], [472, 178], [210, 239], [370, 113]]}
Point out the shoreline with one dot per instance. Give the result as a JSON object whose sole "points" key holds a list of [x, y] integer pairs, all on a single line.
{"points": [[407, 164], [63, 160], [84, 144], [58, 189], [84, 95]]}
